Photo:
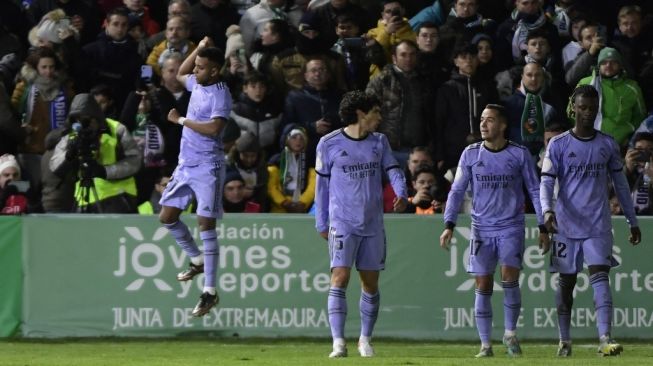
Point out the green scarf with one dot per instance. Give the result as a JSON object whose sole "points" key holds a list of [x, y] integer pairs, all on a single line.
{"points": [[287, 176], [532, 117]]}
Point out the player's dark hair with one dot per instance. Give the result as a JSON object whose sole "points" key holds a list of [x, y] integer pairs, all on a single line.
{"points": [[353, 101], [587, 91], [213, 54], [501, 110]]}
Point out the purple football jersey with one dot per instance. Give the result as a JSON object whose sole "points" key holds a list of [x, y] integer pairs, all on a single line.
{"points": [[349, 191], [497, 180], [583, 168], [206, 103]]}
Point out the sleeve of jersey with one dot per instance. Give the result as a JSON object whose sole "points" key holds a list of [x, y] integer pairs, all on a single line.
{"points": [[548, 179], [621, 187], [457, 192], [393, 169], [323, 171], [532, 185], [190, 82], [222, 102]]}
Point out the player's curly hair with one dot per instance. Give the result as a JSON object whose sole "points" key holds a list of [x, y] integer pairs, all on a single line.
{"points": [[584, 91], [353, 101]]}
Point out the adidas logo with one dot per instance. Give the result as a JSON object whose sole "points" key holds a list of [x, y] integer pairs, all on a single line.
{"points": [[207, 208], [344, 153], [571, 155], [480, 164]]}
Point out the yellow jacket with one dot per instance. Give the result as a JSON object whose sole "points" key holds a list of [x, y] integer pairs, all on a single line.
{"points": [[388, 40], [153, 58], [275, 191]]}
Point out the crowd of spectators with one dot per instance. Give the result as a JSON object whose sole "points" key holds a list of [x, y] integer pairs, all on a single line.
{"points": [[86, 87]]}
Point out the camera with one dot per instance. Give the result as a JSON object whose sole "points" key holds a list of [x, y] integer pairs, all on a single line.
{"points": [[435, 194], [643, 156]]}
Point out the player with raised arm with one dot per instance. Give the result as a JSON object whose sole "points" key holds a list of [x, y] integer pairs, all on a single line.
{"points": [[201, 168], [497, 170], [583, 160], [349, 199]]}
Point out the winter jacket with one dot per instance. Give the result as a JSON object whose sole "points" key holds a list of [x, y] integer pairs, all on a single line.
{"points": [[622, 107], [255, 18], [388, 40], [459, 104], [387, 87], [155, 55], [262, 119]]}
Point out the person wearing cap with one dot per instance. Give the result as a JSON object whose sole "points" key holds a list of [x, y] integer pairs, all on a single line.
{"points": [[12, 201], [291, 185], [621, 102], [390, 30], [459, 104], [252, 22], [247, 158], [234, 195]]}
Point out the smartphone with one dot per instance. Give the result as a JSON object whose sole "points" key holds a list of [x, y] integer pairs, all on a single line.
{"points": [[146, 73]]}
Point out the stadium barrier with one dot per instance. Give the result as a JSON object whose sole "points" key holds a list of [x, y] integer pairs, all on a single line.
{"points": [[113, 275]]}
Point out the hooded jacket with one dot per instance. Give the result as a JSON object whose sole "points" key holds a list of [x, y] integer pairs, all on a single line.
{"points": [[128, 155]]}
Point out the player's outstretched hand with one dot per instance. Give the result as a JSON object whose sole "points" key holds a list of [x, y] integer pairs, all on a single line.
{"points": [[550, 222], [445, 238], [325, 235], [545, 243], [399, 204], [635, 235]]}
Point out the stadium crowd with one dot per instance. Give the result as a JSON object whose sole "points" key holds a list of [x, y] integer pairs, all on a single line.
{"points": [[86, 87]]}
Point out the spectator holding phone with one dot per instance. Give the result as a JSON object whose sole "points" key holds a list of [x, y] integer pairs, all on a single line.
{"points": [[391, 29], [639, 172]]}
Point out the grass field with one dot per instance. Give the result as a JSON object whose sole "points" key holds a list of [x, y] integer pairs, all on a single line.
{"points": [[122, 352]]}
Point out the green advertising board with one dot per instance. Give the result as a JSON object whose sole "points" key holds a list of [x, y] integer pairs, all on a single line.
{"points": [[11, 279], [90, 276]]}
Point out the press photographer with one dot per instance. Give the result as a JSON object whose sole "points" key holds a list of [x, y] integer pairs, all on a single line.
{"points": [[13, 197], [104, 156]]}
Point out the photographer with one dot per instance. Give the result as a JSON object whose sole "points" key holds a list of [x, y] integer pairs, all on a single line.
{"points": [[430, 195], [639, 179], [104, 155], [13, 200]]}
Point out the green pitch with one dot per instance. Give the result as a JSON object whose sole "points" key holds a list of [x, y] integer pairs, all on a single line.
{"points": [[248, 352]]}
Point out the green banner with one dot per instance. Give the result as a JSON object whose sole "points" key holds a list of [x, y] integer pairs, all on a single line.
{"points": [[89, 276], [11, 270]]}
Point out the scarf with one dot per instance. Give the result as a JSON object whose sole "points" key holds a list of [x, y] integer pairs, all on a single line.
{"points": [[52, 92], [469, 22], [532, 117], [641, 192], [293, 170], [521, 31], [562, 21], [596, 83]]}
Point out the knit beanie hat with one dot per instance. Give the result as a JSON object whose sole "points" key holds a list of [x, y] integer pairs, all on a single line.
{"points": [[8, 161], [609, 53], [50, 25]]}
